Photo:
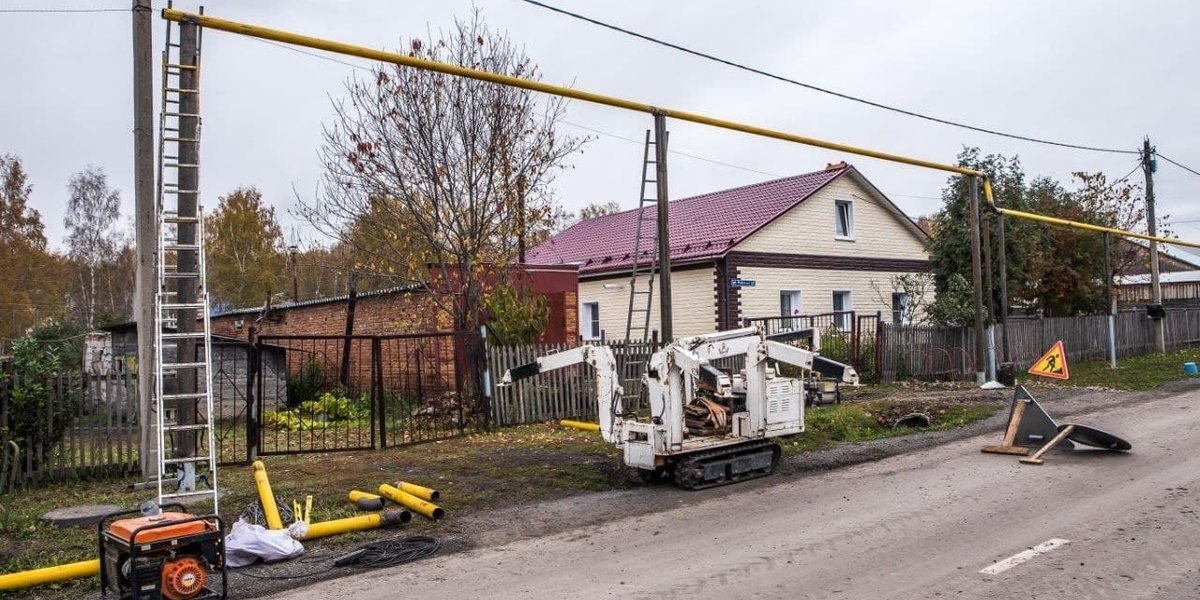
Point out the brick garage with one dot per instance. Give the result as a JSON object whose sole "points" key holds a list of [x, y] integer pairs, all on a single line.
{"points": [[407, 364]]}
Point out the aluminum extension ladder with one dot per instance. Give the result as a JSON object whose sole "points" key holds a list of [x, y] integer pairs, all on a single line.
{"points": [[645, 249], [185, 451]]}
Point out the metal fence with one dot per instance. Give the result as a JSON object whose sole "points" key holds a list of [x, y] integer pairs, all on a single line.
{"points": [[329, 392], [66, 426]]}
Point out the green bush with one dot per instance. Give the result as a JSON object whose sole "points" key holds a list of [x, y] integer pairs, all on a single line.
{"points": [[38, 411], [329, 408], [306, 384]]}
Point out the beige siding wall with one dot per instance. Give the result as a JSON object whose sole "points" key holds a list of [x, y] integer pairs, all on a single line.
{"points": [[693, 302], [816, 288], [809, 228]]}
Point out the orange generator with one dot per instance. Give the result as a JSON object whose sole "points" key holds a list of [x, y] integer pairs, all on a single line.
{"points": [[169, 556]]}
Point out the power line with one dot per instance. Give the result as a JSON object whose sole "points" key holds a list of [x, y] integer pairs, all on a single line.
{"points": [[29, 11], [1185, 168], [822, 90], [564, 121]]}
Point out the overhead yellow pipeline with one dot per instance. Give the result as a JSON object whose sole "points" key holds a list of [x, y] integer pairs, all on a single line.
{"points": [[582, 425], [317, 43], [266, 496], [359, 523], [410, 501], [24, 579], [419, 491], [365, 501]]}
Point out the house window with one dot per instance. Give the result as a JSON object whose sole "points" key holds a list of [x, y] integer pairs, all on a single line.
{"points": [[900, 314], [843, 220], [589, 321], [789, 306], [842, 305]]}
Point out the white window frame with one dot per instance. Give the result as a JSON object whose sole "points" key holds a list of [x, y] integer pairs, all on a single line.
{"points": [[795, 300], [837, 220], [842, 320], [589, 324], [900, 316]]}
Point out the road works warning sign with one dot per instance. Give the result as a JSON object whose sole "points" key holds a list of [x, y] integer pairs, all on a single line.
{"points": [[1052, 364]]}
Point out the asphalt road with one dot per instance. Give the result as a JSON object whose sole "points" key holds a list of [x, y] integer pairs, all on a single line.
{"points": [[947, 522]]}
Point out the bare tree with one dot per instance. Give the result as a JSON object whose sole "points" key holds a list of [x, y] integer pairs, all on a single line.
{"points": [[430, 177], [915, 290], [92, 241]]}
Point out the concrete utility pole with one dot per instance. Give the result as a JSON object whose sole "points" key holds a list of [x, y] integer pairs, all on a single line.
{"points": [[1160, 343], [144, 227], [664, 234], [1003, 249], [986, 224], [976, 279]]}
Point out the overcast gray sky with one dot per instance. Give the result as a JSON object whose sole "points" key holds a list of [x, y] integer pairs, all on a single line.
{"points": [[1088, 72]]}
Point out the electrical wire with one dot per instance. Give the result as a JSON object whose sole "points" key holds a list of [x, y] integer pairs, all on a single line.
{"points": [[1184, 167], [822, 90], [62, 10], [372, 555], [563, 121]]}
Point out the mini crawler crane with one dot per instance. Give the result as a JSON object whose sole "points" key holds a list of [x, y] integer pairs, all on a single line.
{"points": [[707, 426]]}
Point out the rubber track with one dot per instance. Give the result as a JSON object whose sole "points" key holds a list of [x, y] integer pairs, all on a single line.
{"points": [[700, 457]]}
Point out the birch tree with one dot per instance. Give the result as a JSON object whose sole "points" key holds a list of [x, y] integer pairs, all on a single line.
{"points": [[92, 238], [245, 249]]}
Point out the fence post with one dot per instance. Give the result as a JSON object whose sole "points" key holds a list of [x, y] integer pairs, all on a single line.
{"points": [[377, 403], [878, 346], [854, 331], [253, 384]]}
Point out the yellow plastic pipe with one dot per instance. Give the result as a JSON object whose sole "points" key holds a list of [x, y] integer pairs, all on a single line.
{"points": [[296, 39], [359, 523], [365, 501], [24, 579], [582, 425], [408, 500], [266, 496], [419, 491]]}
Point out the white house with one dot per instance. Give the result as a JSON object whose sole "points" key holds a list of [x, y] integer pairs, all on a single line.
{"points": [[814, 243]]}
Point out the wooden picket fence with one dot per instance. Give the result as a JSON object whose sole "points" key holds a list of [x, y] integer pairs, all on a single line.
{"points": [[947, 353], [562, 393], [98, 415]]}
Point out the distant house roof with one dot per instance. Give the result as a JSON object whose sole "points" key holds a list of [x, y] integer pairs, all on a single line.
{"points": [[702, 227]]}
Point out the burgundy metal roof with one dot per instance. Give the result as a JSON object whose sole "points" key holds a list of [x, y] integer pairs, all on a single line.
{"points": [[702, 227]]}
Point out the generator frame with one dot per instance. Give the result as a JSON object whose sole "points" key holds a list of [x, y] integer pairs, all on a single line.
{"points": [[133, 588]]}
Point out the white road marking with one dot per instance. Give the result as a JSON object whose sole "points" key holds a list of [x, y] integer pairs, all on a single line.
{"points": [[1021, 557]]}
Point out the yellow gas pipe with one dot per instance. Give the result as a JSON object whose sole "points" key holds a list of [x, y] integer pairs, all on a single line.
{"points": [[419, 491], [359, 523], [266, 496], [408, 500], [365, 501], [24, 579], [581, 425]]}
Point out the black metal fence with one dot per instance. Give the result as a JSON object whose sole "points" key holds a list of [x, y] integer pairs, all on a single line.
{"points": [[329, 393]]}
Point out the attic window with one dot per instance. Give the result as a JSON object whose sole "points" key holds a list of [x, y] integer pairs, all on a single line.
{"points": [[843, 220]]}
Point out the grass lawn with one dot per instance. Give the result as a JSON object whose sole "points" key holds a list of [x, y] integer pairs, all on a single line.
{"points": [[522, 464], [1132, 373]]}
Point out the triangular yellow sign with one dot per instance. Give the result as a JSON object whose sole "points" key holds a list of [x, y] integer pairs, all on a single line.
{"points": [[1052, 364]]}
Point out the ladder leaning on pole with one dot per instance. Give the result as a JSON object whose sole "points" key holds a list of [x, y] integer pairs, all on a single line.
{"points": [[185, 450], [645, 251]]}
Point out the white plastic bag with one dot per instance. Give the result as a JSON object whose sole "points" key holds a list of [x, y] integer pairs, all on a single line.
{"points": [[247, 543]]}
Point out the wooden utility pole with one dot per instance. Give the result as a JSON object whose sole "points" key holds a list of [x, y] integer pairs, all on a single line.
{"points": [[145, 240], [188, 195], [976, 277], [664, 233], [348, 340], [1108, 301], [1160, 344]]}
